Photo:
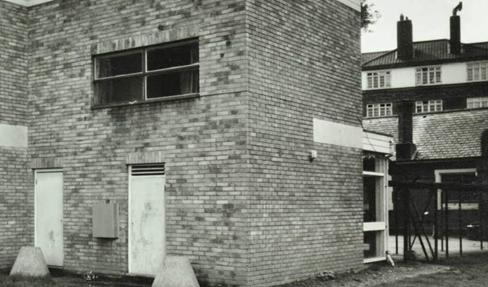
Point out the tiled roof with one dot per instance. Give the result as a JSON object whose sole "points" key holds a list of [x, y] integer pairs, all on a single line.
{"points": [[440, 135], [427, 51], [370, 56]]}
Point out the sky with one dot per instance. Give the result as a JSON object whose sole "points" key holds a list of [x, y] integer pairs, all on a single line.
{"points": [[430, 21]]}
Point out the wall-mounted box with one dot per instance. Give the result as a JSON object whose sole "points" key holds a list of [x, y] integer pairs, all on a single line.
{"points": [[106, 220]]}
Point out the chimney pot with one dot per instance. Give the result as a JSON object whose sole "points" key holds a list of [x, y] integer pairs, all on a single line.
{"points": [[455, 40]]}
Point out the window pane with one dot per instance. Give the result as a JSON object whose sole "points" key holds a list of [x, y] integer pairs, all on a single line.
{"points": [[119, 90], [172, 57], [119, 65], [170, 84], [372, 244], [470, 74], [369, 198]]}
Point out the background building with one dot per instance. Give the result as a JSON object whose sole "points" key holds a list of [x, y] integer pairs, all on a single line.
{"points": [[446, 82]]}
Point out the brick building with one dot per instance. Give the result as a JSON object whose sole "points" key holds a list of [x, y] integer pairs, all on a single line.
{"points": [[197, 116], [445, 85]]}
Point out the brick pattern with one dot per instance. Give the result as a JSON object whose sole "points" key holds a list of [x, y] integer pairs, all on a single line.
{"points": [[202, 141], [14, 223], [305, 217], [13, 64]]}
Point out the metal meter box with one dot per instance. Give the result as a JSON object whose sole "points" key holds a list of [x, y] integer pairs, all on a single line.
{"points": [[106, 220]]}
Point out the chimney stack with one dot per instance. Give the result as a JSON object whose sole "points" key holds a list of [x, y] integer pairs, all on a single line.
{"points": [[405, 149], [404, 39], [456, 30]]}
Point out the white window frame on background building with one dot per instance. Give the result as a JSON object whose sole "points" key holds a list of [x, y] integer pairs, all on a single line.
{"points": [[428, 75], [477, 71], [379, 110], [474, 103], [454, 205], [378, 79], [429, 106]]}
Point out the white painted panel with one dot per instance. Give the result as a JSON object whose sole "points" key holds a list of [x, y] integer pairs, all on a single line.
{"points": [[355, 4], [374, 226], [28, 3], [147, 224], [49, 216], [13, 136], [403, 77], [337, 134], [454, 73]]}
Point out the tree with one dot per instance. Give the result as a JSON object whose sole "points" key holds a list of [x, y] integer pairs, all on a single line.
{"points": [[368, 15]]}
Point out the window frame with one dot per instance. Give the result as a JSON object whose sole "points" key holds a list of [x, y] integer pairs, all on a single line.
{"points": [[420, 74], [145, 73], [479, 69], [454, 205], [386, 74], [477, 102], [430, 103], [377, 107], [380, 225]]}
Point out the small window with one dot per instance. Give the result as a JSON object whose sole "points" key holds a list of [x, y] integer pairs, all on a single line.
{"points": [[474, 103], [146, 74], [379, 110], [428, 76], [428, 106], [478, 71], [377, 80]]}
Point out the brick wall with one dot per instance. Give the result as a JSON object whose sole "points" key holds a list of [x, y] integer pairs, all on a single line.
{"points": [[453, 96], [202, 141], [14, 231], [305, 217]]}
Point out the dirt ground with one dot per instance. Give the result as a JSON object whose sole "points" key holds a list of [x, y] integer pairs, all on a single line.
{"points": [[466, 271], [471, 271]]}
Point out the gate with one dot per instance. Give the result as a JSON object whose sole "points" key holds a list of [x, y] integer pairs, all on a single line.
{"points": [[431, 225]]}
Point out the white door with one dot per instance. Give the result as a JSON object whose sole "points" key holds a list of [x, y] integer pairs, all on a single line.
{"points": [[147, 219], [49, 215]]}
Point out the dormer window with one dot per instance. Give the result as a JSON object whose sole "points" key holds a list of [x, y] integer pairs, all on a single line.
{"points": [[428, 76], [379, 79], [477, 71]]}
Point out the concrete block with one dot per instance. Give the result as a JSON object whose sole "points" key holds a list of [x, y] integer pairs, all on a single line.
{"points": [[30, 263], [175, 272]]}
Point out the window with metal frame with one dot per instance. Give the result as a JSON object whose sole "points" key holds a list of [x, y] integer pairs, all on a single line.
{"points": [[428, 106], [379, 79], [163, 71], [379, 110], [428, 76], [477, 71], [473, 103]]}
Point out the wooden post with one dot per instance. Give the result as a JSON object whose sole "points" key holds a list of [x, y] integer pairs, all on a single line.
{"points": [[446, 218], [460, 217], [436, 230]]}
